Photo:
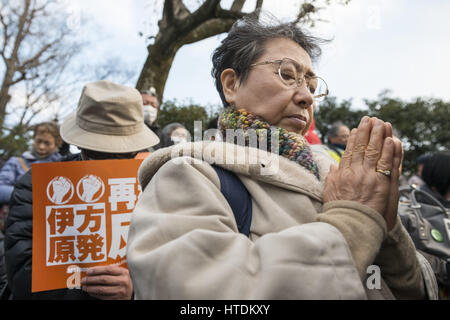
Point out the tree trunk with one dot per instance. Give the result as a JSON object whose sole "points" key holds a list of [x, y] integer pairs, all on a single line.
{"points": [[159, 61], [177, 28], [156, 70]]}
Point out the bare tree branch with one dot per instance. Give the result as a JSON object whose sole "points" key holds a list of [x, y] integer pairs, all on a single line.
{"points": [[6, 36], [20, 29], [306, 10], [36, 47], [168, 14], [258, 7], [259, 4], [209, 29], [237, 5], [34, 60], [180, 11], [209, 19], [172, 10]]}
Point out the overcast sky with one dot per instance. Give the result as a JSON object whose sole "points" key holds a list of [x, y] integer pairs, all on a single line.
{"points": [[401, 45]]}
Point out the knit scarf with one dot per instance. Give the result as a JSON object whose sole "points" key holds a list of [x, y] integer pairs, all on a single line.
{"points": [[291, 145]]}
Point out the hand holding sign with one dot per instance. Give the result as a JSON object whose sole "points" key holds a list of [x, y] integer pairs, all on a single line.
{"points": [[108, 283]]}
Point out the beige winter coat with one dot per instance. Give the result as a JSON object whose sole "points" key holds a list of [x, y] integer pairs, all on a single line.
{"points": [[184, 243]]}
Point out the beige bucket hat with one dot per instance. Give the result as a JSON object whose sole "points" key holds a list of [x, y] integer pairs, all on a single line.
{"points": [[109, 118]]}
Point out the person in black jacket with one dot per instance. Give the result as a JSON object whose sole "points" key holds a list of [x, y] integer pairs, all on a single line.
{"points": [[19, 241], [4, 289], [436, 182], [108, 124], [436, 176], [337, 140]]}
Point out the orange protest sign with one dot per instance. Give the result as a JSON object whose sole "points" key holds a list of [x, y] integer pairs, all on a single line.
{"points": [[142, 155], [81, 215]]}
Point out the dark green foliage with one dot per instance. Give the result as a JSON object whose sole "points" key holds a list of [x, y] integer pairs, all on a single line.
{"points": [[331, 111], [423, 125], [186, 115], [15, 142]]}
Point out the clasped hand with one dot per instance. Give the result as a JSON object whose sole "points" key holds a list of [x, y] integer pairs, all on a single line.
{"points": [[369, 147]]}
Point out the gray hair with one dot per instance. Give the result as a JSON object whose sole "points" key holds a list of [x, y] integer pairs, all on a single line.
{"points": [[334, 129], [245, 41]]}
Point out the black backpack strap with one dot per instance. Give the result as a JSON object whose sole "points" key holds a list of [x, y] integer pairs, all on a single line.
{"points": [[238, 198]]}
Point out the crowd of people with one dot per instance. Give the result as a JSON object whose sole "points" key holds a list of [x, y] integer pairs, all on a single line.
{"points": [[301, 219]]}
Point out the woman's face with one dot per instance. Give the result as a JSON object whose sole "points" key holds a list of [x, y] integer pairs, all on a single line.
{"points": [[179, 135], [44, 144], [264, 94]]}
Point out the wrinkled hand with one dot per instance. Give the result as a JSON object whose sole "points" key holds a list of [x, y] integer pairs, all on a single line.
{"points": [[369, 147], [392, 207], [108, 283], [60, 188]]}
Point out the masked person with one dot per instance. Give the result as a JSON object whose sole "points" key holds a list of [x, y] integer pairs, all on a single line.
{"points": [[174, 133], [151, 109]]}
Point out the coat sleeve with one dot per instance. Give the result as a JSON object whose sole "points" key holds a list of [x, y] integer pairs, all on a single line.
{"points": [[8, 177], [3, 279], [394, 253], [184, 244], [400, 266], [18, 238]]}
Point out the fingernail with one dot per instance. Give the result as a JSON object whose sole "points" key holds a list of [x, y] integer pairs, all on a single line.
{"points": [[365, 119], [378, 123]]}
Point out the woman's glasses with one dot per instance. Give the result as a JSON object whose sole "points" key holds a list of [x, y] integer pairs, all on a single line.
{"points": [[292, 75]]}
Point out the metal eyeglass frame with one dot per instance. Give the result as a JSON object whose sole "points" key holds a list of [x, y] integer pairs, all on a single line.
{"points": [[299, 81]]}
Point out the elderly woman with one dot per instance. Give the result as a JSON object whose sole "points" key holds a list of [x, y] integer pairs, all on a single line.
{"points": [[313, 232]]}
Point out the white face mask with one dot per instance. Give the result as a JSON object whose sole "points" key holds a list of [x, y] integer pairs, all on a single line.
{"points": [[150, 114], [179, 136], [177, 139]]}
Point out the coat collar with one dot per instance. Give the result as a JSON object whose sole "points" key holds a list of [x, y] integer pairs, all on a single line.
{"points": [[260, 165]]}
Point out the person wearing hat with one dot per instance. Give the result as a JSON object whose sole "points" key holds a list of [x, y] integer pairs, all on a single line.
{"points": [[108, 124]]}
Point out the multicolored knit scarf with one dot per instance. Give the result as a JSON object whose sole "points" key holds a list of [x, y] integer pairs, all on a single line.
{"points": [[290, 145]]}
